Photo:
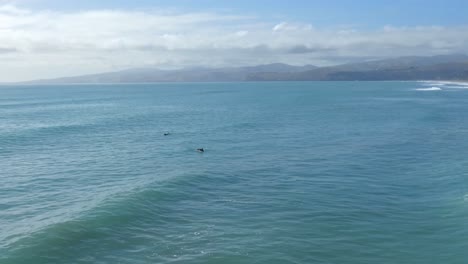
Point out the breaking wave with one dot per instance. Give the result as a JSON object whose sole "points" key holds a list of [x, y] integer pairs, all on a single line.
{"points": [[429, 89]]}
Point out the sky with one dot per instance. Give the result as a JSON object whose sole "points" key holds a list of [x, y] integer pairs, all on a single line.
{"points": [[54, 38]]}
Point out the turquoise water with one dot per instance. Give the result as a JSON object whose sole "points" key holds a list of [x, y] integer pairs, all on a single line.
{"points": [[312, 172]]}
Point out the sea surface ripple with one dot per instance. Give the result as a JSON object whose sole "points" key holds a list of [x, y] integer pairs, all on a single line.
{"points": [[293, 172]]}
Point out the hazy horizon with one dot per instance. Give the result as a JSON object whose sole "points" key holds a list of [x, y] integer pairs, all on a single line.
{"points": [[49, 39]]}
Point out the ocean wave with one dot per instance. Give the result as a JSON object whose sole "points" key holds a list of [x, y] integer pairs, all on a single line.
{"points": [[457, 87], [137, 215], [108, 211], [63, 103], [429, 89], [433, 83], [445, 84]]}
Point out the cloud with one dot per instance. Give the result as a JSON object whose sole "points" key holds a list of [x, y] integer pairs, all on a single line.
{"points": [[300, 49], [281, 26], [11, 9], [7, 50], [242, 33], [48, 43], [284, 26]]}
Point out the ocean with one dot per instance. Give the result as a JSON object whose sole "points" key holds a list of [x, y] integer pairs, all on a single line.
{"points": [[292, 172]]}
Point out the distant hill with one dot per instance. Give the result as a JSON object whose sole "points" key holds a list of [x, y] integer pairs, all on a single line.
{"points": [[145, 75], [444, 67]]}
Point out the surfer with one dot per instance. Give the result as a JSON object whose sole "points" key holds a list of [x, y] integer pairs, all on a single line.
{"points": [[167, 134], [200, 150]]}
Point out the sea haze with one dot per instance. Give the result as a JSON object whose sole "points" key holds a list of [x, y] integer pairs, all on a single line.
{"points": [[293, 172]]}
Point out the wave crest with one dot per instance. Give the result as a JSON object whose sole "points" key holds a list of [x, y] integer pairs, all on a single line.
{"points": [[429, 89]]}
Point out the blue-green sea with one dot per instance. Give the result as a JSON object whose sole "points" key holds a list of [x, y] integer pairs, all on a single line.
{"points": [[293, 172]]}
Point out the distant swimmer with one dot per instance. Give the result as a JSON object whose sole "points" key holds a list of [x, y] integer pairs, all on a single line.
{"points": [[200, 150], [167, 134]]}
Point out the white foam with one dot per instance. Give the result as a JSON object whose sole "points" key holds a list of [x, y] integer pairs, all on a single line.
{"points": [[456, 83], [429, 89], [433, 83], [444, 83], [457, 87]]}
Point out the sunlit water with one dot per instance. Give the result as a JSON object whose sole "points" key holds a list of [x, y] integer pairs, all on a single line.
{"points": [[312, 172]]}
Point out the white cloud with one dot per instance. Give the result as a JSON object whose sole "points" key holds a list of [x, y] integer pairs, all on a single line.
{"points": [[44, 44], [284, 26], [11, 9], [280, 26], [242, 33]]}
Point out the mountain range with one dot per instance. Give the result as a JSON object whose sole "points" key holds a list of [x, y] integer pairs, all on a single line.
{"points": [[442, 67]]}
